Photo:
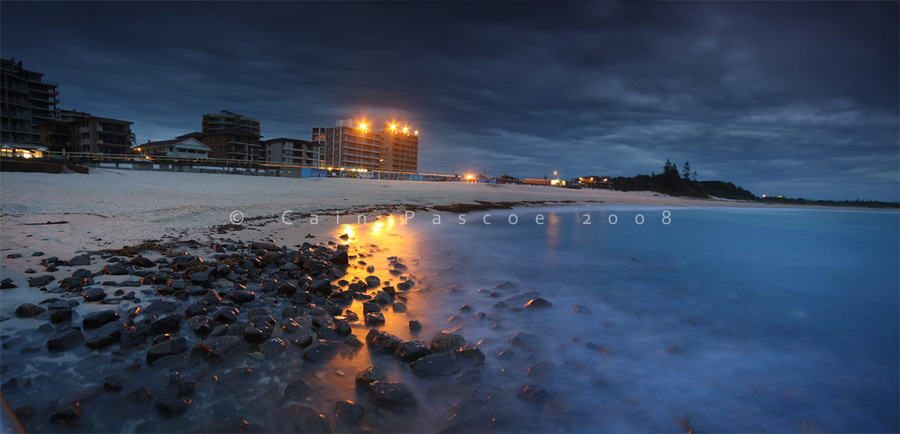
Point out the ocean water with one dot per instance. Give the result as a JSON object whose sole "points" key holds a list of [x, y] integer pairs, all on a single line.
{"points": [[724, 319], [696, 319]]}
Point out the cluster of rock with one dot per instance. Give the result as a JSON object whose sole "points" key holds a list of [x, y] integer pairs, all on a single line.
{"points": [[253, 301]]}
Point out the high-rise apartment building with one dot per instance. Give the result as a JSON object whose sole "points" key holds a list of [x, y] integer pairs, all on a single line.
{"points": [[355, 145], [27, 100], [231, 136], [290, 151]]}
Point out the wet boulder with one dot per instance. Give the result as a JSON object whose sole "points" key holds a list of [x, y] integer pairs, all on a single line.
{"points": [[172, 405], [348, 412], [28, 310], [383, 341], [165, 348], [391, 394], [314, 424], [444, 341], [531, 394], [369, 376], [93, 294], [410, 351], [469, 354], [65, 339], [538, 303], [297, 390], [219, 349], [443, 364], [35, 282], [99, 319]]}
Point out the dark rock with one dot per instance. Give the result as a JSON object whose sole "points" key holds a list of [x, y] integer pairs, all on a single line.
{"points": [[287, 289], [369, 376], [525, 341], [370, 306], [172, 405], [410, 351], [196, 309], [265, 246], [314, 424], [65, 339], [80, 260], [340, 257], [436, 364], [254, 335], [100, 342], [320, 351], [115, 269], [375, 318], [93, 294], [225, 315], [273, 347], [166, 348], [73, 282], [183, 386], [383, 341], [7, 284], [391, 394], [28, 310], [200, 325], [444, 341], [220, 349], [538, 303], [60, 315], [66, 415], [141, 262], [534, 395], [321, 287], [113, 383], [158, 307], [98, 319], [199, 277], [348, 412], [241, 297], [399, 307], [40, 280], [470, 353], [169, 324], [382, 297], [297, 390], [25, 412], [139, 396], [415, 326], [373, 281], [14, 256], [328, 334]]}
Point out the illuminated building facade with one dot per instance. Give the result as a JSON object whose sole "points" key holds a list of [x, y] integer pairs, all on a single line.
{"points": [[356, 145]]}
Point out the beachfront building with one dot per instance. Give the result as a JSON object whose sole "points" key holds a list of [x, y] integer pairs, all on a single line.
{"points": [[231, 136], [180, 148], [356, 145], [82, 132], [26, 101], [290, 151]]}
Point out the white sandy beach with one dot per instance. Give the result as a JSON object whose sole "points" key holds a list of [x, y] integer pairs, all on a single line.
{"points": [[114, 208]]}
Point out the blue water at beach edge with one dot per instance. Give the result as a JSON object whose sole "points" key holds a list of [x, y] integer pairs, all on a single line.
{"points": [[725, 319]]}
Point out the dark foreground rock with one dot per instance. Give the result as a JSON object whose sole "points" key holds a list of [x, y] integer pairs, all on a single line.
{"points": [[391, 394], [314, 424], [28, 310], [436, 364], [348, 412], [216, 350], [444, 341], [65, 339], [172, 405], [98, 319]]}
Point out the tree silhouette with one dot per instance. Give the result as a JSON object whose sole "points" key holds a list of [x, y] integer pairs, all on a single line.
{"points": [[687, 170]]}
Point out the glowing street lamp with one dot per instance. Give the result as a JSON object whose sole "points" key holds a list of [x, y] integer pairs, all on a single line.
{"points": [[405, 129], [363, 126], [393, 127]]}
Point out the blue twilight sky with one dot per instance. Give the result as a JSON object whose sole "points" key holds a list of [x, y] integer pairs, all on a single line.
{"points": [[793, 98]]}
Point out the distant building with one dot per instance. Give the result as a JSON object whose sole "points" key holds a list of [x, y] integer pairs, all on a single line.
{"points": [[231, 136], [82, 132], [355, 145], [291, 151], [181, 148], [26, 101]]}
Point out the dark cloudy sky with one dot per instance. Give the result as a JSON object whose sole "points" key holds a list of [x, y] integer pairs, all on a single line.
{"points": [[794, 98]]}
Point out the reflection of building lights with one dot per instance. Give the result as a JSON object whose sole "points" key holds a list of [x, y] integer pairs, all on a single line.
{"points": [[376, 228], [348, 230], [391, 221]]}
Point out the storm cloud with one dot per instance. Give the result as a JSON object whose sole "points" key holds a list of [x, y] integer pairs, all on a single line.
{"points": [[793, 98]]}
